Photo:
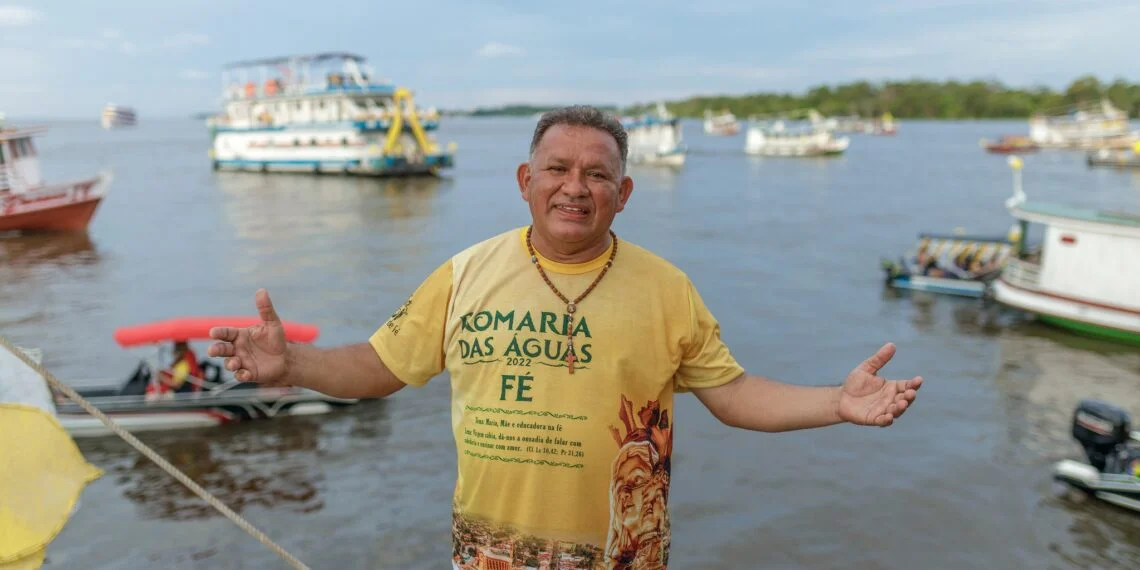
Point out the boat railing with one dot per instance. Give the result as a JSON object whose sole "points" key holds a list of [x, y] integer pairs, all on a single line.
{"points": [[4, 178], [1021, 273]]}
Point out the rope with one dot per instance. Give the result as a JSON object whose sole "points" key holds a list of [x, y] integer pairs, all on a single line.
{"points": [[153, 456]]}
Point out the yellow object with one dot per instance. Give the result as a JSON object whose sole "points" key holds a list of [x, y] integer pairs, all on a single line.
{"points": [[1015, 162], [403, 98], [1136, 147], [42, 474], [594, 446]]}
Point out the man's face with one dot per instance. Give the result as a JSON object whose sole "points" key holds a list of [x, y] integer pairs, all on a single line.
{"points": [[574, 185]]}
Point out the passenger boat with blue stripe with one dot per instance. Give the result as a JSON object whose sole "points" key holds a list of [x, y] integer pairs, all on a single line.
{"points": [[322, 113]]}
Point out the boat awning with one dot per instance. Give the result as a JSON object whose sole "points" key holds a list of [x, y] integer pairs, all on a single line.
{"points": [[22, 133], [306, 58], [198, 328]]}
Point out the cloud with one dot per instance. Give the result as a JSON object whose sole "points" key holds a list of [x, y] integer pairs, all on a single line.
{"points": [[493, 50], [127, 47], [193, 74], [186, 40], [110, 34], [18, 16]]}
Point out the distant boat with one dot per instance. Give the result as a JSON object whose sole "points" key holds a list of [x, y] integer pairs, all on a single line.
{"points": [[723, 123], [655, 138], [322, 113], [27, 204], [1082, 126], [116, 116], [775, 139]]}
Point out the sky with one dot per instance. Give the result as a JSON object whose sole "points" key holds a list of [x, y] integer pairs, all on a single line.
{"points": [[67, 58]]}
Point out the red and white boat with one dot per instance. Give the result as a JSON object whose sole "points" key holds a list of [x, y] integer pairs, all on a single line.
{"points": [[27, 204], [213, 399]]}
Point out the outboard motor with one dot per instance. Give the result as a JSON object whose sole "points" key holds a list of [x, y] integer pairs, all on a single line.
{"points": [[1101, 429]]}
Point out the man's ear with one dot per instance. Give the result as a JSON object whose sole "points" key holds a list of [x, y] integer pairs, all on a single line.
{"points": [[624, 190], [523, 176]]}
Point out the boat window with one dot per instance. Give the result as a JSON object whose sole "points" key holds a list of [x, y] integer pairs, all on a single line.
{"points": [[1, 155], [15, 149]]}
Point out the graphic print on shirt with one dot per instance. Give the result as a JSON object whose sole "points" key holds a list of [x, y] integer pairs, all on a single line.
{"points": [[520, 338], [639, 489]]}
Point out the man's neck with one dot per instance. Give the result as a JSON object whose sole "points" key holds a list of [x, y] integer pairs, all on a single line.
{"points": [[569, 253]]}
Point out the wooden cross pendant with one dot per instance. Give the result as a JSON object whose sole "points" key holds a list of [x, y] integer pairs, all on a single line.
{"points": [[570, 358]]}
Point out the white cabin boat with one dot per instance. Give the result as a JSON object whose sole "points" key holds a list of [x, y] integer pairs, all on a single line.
{"points": [[322, 113], [1082, 127], [27, 203], [655, 139], [775, 139], [723, 123], [116, 116], [1085, 277]]}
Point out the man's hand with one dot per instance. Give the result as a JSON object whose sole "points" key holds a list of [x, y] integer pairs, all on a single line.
{"points": [[871, 400]]}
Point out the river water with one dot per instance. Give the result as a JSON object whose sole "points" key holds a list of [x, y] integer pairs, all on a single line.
{"points": [[785, 252]]}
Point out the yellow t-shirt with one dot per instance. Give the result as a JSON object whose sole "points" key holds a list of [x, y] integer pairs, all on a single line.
{"points": [[554, 464]]}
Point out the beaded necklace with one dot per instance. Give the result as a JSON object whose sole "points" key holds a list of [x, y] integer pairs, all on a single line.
{"points": [[571, 306]]}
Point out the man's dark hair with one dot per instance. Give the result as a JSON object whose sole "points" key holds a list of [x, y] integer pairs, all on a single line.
{"points": [[582, 116]]}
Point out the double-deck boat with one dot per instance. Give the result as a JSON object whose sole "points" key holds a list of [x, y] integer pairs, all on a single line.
{"points": [[655, 138], [322, 113]]}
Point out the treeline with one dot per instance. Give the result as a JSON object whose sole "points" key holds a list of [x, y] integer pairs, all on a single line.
{"points": [[916, 99]]}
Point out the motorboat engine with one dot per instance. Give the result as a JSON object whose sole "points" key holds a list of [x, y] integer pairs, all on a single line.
{"points": [[1103, 431]]}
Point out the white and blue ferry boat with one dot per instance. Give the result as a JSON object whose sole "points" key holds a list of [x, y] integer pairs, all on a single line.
{"points": [[322, 113]]}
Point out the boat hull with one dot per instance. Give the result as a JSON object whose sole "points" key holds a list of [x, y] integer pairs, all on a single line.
{"points": [[1121, 490], [344, 150], [1103, 321], [64, 208], [191, 410], [959, 287]]}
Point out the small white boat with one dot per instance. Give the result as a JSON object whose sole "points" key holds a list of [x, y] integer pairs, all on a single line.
{"points": [[655, 139], [776, 139], [722, 123], [1085, 277], [117, 116]]}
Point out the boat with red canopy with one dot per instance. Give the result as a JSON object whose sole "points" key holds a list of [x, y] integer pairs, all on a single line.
{"points": [[209, 397]]}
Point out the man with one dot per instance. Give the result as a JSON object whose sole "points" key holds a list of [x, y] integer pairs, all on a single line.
{"points": [[565, 346]]}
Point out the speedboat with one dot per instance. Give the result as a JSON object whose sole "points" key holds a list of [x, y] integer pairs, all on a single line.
{"points": [[1112, 473], [213, 399]]}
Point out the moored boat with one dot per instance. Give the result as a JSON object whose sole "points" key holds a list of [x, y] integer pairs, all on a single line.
{"points": [[1009, 144], [346, 122], [28, 204], [722, 123], [1085, 278], [1116, 158], [117, 116], [1084, 126], [775, 139], [954, 264], [212, 399], [655, 138]]}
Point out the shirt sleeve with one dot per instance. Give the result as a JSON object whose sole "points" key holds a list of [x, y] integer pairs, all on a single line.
{"points": [[706, 361], [410, 342]]}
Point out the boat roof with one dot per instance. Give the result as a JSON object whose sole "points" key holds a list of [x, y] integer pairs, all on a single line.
{"points": [[966, 238], [1032, 210], [313, 57], [198, 328], [20, 133]]}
